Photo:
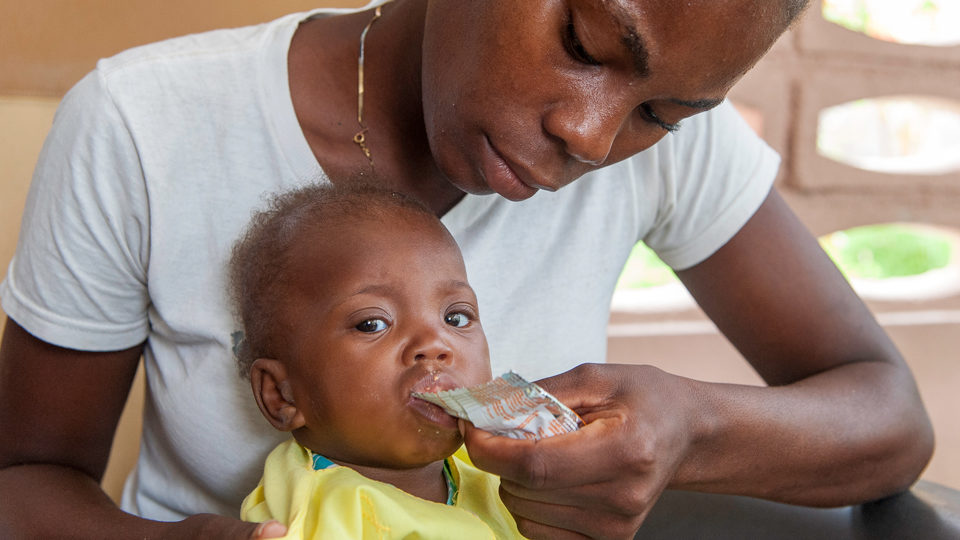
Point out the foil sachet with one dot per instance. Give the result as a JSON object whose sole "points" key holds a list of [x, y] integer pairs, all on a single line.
{"points": [[509, 406]]}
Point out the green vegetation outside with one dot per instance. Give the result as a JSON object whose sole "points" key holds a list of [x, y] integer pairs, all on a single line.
{"points": [[885, 251], [644, 269], [874, 252]]}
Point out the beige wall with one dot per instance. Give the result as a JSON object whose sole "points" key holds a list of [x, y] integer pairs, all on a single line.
{"points": [[47, 45]]}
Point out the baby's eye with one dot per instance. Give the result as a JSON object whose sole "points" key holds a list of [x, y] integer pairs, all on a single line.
{"points": [[457, 318], [370, 326]]}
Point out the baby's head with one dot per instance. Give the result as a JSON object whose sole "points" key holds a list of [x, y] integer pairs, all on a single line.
{"points": [[351, 299]]}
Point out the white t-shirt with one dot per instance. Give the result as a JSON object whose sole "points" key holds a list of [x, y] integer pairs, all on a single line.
{"points": [[157, 160]]}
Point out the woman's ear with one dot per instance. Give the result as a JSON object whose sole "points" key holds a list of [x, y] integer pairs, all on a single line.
{"points": [[271, 388]]}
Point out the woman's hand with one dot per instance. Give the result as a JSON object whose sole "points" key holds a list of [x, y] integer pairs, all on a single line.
{"points": [[602, 480], [840, 423]]}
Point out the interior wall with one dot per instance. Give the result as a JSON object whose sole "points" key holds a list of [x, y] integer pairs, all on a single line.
{"points": [[47, 45]]}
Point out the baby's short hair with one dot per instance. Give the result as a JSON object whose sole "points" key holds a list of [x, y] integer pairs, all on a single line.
{"points": [[260, 257]]}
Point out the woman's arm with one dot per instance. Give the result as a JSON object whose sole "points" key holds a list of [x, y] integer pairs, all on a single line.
{"points": [[59, 409], [840, 423]]}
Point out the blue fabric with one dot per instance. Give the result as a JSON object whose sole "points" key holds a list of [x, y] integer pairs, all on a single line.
{"points": [[320, 462]]}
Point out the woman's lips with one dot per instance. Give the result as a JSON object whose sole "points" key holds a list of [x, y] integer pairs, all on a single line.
{"points": [[501, 177]]}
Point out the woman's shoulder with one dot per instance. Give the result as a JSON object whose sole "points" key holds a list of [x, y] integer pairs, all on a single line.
{"points": [[200, 48]]}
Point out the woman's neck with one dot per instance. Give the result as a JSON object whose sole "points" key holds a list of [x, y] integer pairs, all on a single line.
{"points": [[323, 66]]}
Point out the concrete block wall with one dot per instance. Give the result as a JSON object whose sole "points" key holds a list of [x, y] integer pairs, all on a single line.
{"points": [[820, 64]]}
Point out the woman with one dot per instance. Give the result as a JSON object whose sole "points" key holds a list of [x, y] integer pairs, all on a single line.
{"points": [[158, 157]]}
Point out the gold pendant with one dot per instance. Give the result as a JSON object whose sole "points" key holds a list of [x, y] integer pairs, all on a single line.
{"points": [[361, 141]]}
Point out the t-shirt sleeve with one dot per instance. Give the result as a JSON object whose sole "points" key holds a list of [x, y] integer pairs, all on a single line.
{"points": [[78, 277], [715, 173]]}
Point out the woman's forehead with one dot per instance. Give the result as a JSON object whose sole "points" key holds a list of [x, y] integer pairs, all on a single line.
{"points": [[777, 14], [712, 41]]}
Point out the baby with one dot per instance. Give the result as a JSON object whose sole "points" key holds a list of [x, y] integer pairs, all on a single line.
{"points": [[351, 300]]}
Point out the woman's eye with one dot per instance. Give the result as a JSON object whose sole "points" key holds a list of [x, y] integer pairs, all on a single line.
{"points": [[650, 116], [573, 45], [370, 326], [457, 319]]}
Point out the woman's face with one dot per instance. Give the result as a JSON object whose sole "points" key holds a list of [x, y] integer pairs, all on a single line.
{"points": [[521, 96], [374, 309]]}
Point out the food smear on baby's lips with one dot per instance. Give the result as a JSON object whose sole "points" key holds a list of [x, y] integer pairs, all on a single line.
{"points": [[509, 406]]}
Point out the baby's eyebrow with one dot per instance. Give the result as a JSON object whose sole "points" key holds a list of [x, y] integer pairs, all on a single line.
{"points": [[387, 290], [373, 289], [456, 284]]}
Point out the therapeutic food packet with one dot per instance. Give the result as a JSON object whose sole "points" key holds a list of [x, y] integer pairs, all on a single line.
{"points": [[508, 406]]}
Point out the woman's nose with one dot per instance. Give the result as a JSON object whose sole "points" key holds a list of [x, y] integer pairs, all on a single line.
{"points": [[586, 128]]}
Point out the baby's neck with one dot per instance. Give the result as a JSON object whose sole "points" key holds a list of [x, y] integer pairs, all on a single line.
{"points": [[426, 482]]}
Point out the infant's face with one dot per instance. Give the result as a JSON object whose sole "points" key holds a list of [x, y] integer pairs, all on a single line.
{"points": [[376, 311]]}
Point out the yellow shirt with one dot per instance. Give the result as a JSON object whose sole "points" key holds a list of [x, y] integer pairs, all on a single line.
{"points": [[340, 503]]}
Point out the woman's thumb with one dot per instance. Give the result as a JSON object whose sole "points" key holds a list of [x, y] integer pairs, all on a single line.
{"points": [[269, 529]]}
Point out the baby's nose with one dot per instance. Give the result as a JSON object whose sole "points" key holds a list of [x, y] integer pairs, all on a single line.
{"points": [[428, 345], [440, 357]]}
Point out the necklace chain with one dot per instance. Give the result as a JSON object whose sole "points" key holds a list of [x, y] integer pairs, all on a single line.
{"points": [[360, 138]]}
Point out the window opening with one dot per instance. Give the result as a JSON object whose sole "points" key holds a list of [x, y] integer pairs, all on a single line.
{"points": [[894, 134], [888, 250], [644, 270], [886, 261]]}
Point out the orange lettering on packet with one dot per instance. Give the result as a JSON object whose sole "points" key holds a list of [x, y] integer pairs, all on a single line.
{"points": [[509, 406]]}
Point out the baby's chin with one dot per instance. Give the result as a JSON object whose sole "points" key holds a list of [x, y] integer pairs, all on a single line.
{"points": [[433, 445], [426, 448]]}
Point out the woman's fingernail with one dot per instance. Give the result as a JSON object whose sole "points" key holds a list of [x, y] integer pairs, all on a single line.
{"points": [[271, 529]]}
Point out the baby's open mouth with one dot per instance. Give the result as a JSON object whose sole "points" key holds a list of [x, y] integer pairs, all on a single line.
{"points": [[432, 383], [433, 413]]}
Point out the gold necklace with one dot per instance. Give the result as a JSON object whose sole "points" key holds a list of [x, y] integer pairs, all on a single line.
{"points": [[360, 138]]}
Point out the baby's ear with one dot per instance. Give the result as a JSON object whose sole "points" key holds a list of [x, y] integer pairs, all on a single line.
{"points": [[271, 388]]}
